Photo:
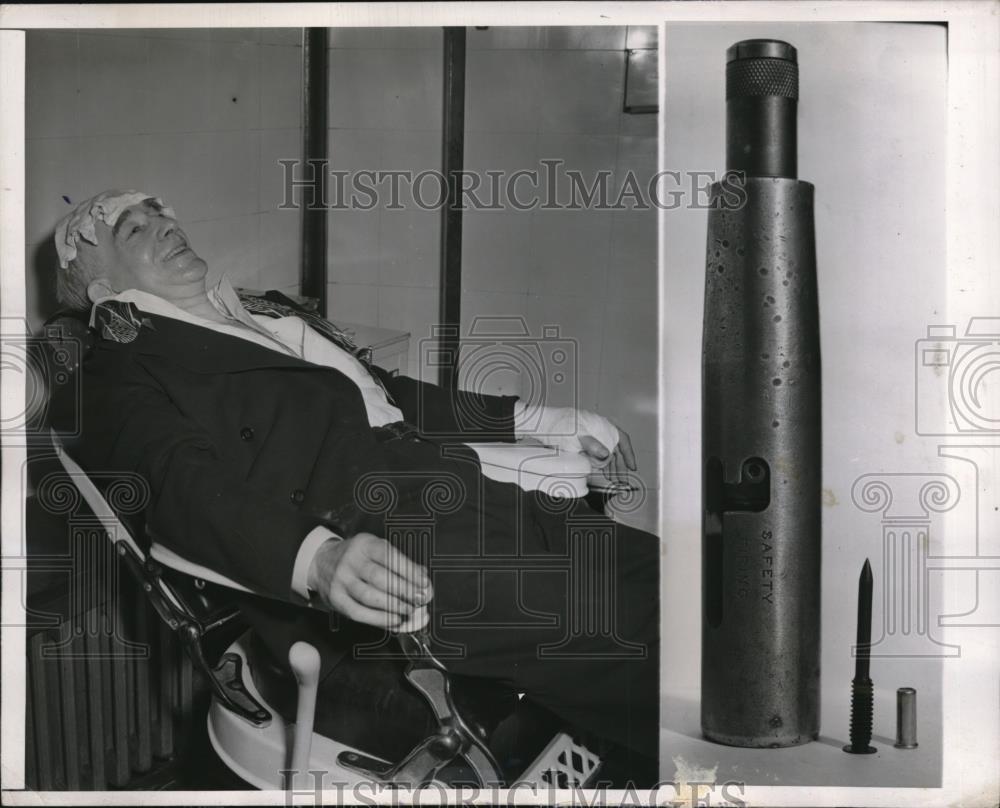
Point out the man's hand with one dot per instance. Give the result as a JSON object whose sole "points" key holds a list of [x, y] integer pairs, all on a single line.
{"points": [[622, 458], [606, 446], [368, 580]]}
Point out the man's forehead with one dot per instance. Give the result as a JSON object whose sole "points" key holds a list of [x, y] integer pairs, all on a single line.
{"points": [[108, 230], [149, 205]]}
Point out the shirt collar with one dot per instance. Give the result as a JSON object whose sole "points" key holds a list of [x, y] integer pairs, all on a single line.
{"points": [[222, 296], [225, 300]]}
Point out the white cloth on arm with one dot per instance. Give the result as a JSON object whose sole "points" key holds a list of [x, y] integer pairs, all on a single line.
{"points": [[563, 427]]}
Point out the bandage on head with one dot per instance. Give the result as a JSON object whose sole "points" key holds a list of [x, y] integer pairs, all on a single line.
{"points": [[106, 207]]}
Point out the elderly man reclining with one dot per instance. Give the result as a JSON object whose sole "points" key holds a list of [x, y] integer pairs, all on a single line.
{"points": [[277, 458]]}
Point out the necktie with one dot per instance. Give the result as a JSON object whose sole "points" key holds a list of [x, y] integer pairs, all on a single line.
{"points": [[275, 304]]}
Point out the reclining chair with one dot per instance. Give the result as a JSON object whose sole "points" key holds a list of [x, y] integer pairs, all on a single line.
{"points": [[271, 750]]}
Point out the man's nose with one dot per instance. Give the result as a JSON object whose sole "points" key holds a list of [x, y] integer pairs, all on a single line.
{"points": [[167, 227]]}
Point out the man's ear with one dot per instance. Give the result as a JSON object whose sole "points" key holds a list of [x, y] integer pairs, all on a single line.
{"points": [[99, 288]]}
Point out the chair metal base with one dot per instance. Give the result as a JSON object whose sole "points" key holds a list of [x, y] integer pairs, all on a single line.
{"points": [[262, 755]]}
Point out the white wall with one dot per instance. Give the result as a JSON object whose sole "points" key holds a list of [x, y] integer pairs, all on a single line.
{"points": [[872, 140], [558, 93], [385, 114], [531, 93]]}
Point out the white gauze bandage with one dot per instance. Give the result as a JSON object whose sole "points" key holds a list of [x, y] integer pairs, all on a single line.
{"points": [[80, 223], [562, 427]]}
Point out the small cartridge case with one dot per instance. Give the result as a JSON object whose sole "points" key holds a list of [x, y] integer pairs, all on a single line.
{"points": [[906, 718]]}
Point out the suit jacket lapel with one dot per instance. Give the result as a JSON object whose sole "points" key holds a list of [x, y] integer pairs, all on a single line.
{"points": [[206, 351]]}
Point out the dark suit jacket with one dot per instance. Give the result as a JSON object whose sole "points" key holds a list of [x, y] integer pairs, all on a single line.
{"points": [[246, 450]]}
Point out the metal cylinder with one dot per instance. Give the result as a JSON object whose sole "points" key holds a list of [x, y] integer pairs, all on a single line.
{"points": [[761, 452], [762, 92], [906, 718]]}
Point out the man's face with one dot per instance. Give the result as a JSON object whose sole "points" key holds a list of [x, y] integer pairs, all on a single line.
{"points": [[146, 250]]}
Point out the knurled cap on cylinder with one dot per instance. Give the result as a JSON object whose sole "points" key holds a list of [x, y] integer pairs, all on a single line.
{"points": [[762, 67], [762, 49], [762, 96]]}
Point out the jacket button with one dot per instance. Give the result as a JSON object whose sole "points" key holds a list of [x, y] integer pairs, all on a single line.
{"points": [[246, 433], [298, 496]]}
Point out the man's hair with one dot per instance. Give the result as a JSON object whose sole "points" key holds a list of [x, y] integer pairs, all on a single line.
{"points": [[72, 282]]}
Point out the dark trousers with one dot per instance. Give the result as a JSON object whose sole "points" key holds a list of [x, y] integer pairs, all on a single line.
{"points": [[539, 595]]}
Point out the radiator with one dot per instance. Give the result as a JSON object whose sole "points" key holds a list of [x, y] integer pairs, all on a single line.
{"points": [[109, 688]]}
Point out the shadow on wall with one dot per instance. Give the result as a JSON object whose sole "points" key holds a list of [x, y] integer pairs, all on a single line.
{"points": [[43, 263]]}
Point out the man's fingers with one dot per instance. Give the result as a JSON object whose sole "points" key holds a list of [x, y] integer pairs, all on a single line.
{"points": [[597, 450], [407, 569], [618, 464], [625, 445], [384, 554], [375, 598], [593, 447], [385, 580], [358, 578], [364, 614], [421, 617], [338, 599]]}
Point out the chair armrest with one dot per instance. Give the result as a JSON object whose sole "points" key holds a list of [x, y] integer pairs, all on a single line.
{"points": [[168, 558], [94, 498]]}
